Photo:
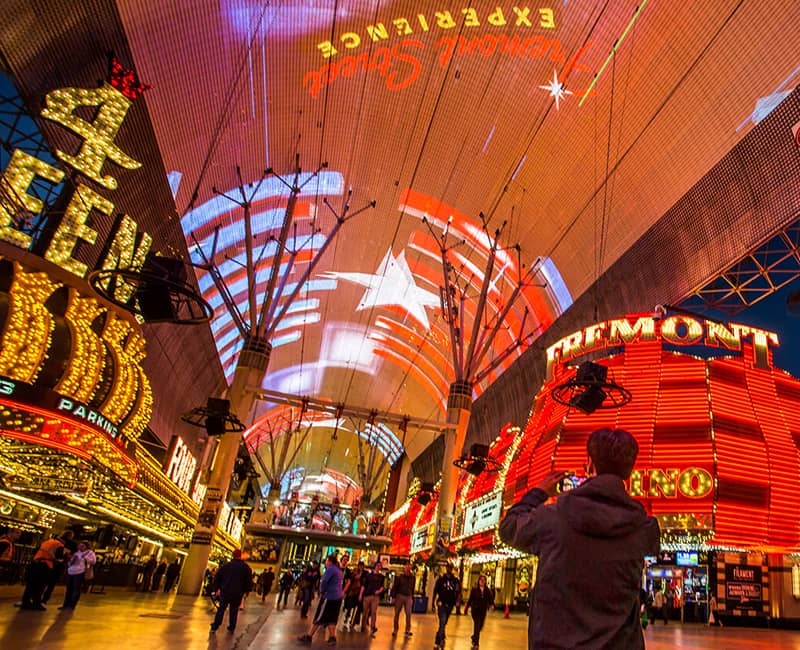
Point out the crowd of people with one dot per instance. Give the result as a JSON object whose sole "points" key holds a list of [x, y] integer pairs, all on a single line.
{"points": [[63, 559], [347, 596], [596, 522], [152, 572]]}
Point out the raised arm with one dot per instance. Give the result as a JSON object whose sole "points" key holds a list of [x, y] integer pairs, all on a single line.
{"points": [[520, 525]]}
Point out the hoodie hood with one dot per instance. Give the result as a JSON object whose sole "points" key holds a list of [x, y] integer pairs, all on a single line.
{"points": [[602, 508]]}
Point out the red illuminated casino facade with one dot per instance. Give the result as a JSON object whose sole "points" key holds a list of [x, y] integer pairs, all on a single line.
{"points": [[718, 428], [719, 435]]}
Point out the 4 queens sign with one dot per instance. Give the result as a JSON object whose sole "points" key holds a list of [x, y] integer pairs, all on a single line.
{"points": [[125, 247]]}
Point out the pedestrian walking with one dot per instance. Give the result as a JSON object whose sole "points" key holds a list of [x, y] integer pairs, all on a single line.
{"points": [[60, 564], [171, 577], [480, 601], [352, 606], [330, 602], [371, 590], [147, 573], [158, 574], [402, 593], [231, 582], [446, 592], [266, 579], [713, 613], [42, 568], [285, 583], [661, 605], [308, 582], [7, 542]]}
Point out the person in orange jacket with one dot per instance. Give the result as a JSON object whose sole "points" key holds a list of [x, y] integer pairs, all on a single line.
{"points": [[42, 567]]}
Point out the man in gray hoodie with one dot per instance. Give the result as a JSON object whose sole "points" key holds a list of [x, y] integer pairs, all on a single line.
{"points": [[591, 545]]}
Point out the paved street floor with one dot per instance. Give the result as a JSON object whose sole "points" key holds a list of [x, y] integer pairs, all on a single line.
{"points": [[125, 620]]}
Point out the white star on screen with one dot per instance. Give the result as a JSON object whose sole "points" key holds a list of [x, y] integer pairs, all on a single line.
{"points": [[556, 88], [392, 284]]}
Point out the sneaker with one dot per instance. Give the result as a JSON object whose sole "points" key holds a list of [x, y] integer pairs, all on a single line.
{"points": [[304, 638], [394, 633], [409, 633], [332, 640], [373, 631]]}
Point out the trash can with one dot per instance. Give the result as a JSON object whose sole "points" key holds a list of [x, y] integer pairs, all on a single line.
{"points": [[419, 604]]}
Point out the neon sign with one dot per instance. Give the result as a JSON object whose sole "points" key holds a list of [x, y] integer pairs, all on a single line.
{"points": [[82, 412], [693, 482], [677, 330], [126, 248], [181, 466]]}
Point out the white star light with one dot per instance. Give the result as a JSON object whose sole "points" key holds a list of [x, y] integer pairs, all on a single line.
{"points": [[392, 284], [556, 88]]}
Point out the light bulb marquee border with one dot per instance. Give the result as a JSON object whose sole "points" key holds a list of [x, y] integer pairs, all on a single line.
{"points": [[90, 228], [680, 330]]}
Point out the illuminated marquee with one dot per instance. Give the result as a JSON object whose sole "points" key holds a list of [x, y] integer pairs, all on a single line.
{"points": [[181, 466], [126, 248], [82, 358], [693, 482], [677, 330], [718, 461], [46, 419]]}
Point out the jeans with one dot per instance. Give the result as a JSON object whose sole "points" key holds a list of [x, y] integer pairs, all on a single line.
{"points": [[371, 612], [308, 596], [478, 618], [283, 595], [231, 602], [402, 603], [443, 611], [74, 583]]}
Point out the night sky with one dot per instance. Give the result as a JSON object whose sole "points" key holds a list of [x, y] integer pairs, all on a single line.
{"points": [[771, 314]]}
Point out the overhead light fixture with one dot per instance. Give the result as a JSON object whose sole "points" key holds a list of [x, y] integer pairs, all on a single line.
{"points": [[478, 460], [215, 417], [159, 292], [589, 390]]}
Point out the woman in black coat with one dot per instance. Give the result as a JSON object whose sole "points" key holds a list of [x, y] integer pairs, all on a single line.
{"points": [[481, 599]]}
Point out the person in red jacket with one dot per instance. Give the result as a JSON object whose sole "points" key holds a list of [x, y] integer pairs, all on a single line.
{"points": [[42, 568], [7, 552]]}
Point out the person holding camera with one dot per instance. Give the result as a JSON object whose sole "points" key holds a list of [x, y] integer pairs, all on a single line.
{"points": [[591, 543]]}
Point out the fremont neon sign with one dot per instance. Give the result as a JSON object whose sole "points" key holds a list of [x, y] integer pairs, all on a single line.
{"points": [[677, 330]]}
